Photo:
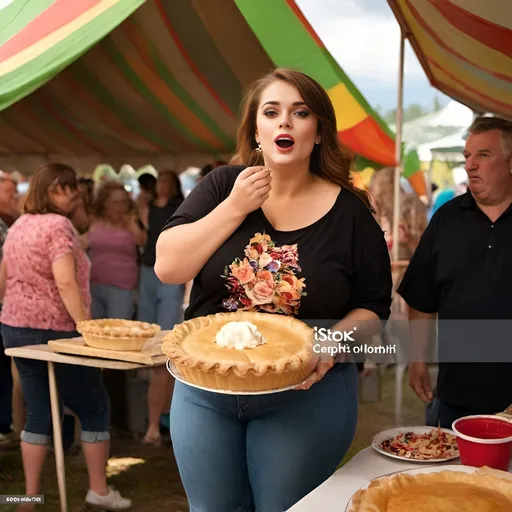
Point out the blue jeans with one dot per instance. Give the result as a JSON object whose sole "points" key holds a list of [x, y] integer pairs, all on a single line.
{"points": [[111, 302], [81, 388], [263, 452], [159, 303]]}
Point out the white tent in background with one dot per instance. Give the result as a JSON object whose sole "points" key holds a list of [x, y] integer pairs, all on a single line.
{"points": [[460, 176], [446, 149], [450, 120], [453, 114]]}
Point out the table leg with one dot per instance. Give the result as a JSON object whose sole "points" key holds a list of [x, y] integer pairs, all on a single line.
{"points": [[57, 437]]}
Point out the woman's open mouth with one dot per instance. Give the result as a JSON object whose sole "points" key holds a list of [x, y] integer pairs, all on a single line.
{"points": [[284, 142]]}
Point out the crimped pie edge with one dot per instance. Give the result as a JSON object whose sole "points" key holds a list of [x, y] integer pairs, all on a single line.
{"points": [[171, 346], [370, 498], [100, 328]]}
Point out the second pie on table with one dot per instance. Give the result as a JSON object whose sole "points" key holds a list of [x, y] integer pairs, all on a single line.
{"points": [[117, 334], [446, 491], [242, 351]]}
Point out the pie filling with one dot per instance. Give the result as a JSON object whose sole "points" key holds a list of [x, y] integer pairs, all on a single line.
{"points": [[449, 498], [446, 491]]}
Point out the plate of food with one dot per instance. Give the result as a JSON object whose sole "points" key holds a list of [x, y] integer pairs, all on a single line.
{"points": [[450, 488], [417, 444]]}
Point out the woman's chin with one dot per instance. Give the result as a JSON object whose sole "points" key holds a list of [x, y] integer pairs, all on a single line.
{"points": [[282, 160]]}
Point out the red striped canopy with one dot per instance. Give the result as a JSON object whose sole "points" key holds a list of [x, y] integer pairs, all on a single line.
{"points": [[157, 81], [465, 47]]}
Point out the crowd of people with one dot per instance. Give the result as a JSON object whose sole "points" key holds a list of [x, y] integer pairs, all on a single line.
{"points": [[70, 252], [77, 252]]}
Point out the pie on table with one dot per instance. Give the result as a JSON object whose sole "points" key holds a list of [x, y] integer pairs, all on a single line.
{"points": [[446, 491], [116, 334], [242, 351]]}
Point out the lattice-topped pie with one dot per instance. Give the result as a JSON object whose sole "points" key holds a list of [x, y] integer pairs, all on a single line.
{"points": [[242, 351], [445, 491], [115, 334]]}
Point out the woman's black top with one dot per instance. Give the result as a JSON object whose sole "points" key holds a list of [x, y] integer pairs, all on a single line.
{"points": [[319, 272]]}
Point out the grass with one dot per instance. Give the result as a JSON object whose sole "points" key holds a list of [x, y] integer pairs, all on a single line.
{"points": [[150, 477], [374, 417]]}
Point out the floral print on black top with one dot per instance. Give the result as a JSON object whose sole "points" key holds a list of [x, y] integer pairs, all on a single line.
{"points": [[265, 280]]}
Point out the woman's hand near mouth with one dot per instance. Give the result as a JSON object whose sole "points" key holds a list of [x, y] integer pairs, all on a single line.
{"points": [[251, 190]]}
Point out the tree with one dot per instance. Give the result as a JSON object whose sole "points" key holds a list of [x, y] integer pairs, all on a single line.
{"points": [[390, 116], [411, 112], [437, 103]]}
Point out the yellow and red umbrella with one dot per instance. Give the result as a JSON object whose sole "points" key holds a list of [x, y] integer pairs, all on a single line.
{"points": [[465, 48]]}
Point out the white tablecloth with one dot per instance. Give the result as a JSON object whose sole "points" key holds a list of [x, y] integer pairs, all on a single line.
{"points": [[335, 493]]}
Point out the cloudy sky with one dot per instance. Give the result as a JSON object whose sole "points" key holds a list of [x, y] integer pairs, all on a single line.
{"points": [[364, 37]]}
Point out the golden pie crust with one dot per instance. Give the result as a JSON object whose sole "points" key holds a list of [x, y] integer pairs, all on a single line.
{"points": [[446, 491], [116, 334], [286, 358]]}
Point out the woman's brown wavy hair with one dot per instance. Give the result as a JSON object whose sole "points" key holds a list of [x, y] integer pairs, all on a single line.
{"points": [[329, 159]]}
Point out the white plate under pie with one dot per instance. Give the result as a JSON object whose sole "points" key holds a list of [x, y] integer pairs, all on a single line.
{"points": [[174, 372], [389, 434], [419, 471]]}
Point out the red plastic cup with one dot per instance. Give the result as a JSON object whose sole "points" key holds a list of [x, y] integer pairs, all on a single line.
{"points": [[484, 440]]}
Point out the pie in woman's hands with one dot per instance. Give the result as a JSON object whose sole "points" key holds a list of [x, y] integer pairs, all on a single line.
{"points": [[116, 334], [446, 491], [242, 351]]}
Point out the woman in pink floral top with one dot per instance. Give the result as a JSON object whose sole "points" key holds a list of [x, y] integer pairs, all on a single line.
{"points": [[44, 286]]}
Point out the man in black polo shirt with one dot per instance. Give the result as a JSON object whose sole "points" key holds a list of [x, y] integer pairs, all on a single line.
{"points": [[461, 272]]}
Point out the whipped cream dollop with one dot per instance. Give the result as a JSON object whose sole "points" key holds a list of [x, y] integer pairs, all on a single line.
{"points": [[239, 335]]}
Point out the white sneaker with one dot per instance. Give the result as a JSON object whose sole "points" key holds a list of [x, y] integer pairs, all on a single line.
{"points": [[112, 501]]}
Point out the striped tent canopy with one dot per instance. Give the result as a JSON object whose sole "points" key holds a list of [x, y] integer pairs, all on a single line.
{"points": [[157, 81], [465, 47]]}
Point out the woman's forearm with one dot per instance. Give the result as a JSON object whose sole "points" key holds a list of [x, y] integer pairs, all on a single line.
{"points": [[357, 327], [182, 251], [363, 322], [64, 273], [72, 300]]}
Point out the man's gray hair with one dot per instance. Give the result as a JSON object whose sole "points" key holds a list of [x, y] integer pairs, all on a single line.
{"points": [[486, 124]]}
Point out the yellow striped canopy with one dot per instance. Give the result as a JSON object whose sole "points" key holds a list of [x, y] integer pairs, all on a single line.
{"points": [[465, 47]]}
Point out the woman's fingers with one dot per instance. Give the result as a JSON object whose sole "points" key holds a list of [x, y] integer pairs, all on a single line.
{"points": [[321, 369]]}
